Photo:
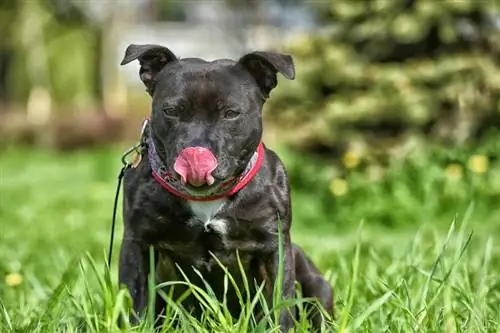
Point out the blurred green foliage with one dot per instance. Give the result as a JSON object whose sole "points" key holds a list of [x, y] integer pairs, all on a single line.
{"points": [[431, 183], [393, 67], [54, 45]]}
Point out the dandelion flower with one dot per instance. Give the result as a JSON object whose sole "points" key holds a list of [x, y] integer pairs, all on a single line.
{"points": [[13, 279], [454, 171], [478, 163], [338, 187], [351, 159]]}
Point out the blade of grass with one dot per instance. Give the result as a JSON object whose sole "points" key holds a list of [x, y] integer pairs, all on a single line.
{"points": [[346, 311], [6, 321]]}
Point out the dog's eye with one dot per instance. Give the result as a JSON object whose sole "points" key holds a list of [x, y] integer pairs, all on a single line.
{"points": [[231, 114], [169, 111]]}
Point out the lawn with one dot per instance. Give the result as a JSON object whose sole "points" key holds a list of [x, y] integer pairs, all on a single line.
{"points": [[414, 251]]}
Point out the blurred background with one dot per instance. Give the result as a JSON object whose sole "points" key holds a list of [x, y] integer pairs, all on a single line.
{"points": [[393, 118]]}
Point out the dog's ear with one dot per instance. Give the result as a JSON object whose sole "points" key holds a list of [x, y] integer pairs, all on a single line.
{"points": [[264, 67], [152, 59]]}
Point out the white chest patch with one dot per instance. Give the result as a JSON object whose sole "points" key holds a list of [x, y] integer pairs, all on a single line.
{"points": [[206, 210]]}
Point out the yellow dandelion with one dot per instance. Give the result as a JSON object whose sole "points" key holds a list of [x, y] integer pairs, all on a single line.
{"points": [[13, 279], [339, 187], [478, 163], [351, 159], [454, 171]]}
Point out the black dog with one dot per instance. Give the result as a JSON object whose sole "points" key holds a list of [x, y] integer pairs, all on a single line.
{"points": [[207, 186]]}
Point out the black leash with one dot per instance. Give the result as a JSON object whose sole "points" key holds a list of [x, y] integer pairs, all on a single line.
{"points": [[139, 149], [115, 206]]}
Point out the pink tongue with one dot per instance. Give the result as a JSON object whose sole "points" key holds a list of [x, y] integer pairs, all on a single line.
{"points": [[195, 166]]}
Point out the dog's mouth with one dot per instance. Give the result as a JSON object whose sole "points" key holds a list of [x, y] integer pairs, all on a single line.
{"points": [[200, 189], [194, 167], [206, 190]]}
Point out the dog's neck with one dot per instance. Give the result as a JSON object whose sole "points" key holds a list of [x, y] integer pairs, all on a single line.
{"points": [[174, 185]]}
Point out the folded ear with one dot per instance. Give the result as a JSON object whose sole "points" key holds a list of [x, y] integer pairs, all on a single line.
{"points": [[264, 67], [152, 59]]}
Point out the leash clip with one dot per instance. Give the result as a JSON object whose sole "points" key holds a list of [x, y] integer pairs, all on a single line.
{"points": [[138, 147], [129, 151]]}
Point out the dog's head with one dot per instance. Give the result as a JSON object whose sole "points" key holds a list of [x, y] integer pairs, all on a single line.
{"points": [[206, 116]]}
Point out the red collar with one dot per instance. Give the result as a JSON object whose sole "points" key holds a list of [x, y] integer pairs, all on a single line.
{"points": [[227, 189]]}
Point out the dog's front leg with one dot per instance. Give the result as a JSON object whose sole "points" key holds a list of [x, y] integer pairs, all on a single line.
{"points": [[133, 273], [287, 315]]}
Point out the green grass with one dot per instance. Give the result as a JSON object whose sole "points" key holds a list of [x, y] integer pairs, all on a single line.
{"points": [[412, 252]]}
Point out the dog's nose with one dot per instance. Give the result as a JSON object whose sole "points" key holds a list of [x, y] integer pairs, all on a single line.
{"points": [[195, 166]]}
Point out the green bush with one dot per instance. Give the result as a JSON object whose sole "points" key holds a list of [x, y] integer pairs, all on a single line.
{"points": [[430, 183], [390, 68]]}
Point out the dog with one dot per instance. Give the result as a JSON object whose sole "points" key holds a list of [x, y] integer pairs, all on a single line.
{"points": [[207, 192]]}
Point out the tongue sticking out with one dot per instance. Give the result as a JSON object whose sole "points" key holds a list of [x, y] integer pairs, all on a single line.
{"points": [[195, 166]]}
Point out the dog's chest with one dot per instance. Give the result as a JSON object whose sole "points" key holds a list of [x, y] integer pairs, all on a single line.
{"points": [[209, 231], [205, 212]]}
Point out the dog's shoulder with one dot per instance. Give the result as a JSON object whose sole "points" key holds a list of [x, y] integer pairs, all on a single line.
{"points": [[136, 178], [275, 169]]}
